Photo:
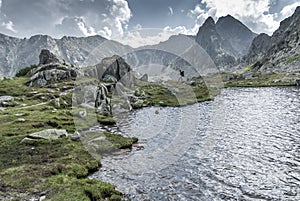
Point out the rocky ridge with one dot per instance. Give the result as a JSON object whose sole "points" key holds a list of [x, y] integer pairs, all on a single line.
{"points": [[279, 52], [79, 51]]}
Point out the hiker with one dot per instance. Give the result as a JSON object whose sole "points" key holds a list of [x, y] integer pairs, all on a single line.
{"points": [[181, 72]]}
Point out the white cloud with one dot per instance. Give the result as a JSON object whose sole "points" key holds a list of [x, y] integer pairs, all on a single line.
{"points": [[75, 26], [118, 19], [9, 26], [105, 32], [253, 13], [144, 37], [87, 31], [289, 10], [171, 12], [86, 17]]}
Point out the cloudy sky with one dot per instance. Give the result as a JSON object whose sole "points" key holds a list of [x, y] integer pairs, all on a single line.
{"points": [[129, 20]]}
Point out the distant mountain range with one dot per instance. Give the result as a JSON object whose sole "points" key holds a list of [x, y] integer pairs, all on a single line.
{"points": [[229, 43], [17, 53]]}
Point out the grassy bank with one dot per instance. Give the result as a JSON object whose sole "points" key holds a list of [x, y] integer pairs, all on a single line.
{"points": [[55, 169], [259, 80]]}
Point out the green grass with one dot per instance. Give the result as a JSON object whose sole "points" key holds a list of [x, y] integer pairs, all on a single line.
{"points": [[175, 94], [58, 168], [248, 68], [25, 71], [294, 58], [260, 80]]}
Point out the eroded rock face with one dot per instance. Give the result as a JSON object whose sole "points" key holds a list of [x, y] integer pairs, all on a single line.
{"points": [[103, 102], [281, 51], [115, 68], [258, 47], [47, 57], [51, 70]]}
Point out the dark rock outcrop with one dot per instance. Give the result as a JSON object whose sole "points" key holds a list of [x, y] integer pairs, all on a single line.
{"points": [[145, 78], [115, 69], [47, 57], [51, 70]]}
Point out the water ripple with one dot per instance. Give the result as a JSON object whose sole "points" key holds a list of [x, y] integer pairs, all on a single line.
{"points": [[244, 145]]}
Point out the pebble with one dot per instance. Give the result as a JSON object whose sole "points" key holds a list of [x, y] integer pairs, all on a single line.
{"points": [[21, 120]]}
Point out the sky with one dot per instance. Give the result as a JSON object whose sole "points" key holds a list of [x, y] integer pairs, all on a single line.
{"points": [[135, 22]]}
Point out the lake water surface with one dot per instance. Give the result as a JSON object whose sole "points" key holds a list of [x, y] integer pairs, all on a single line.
{"points": [[244, 145]]}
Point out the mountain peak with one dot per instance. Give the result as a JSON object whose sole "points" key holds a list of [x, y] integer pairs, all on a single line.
{"points": [[209, 22], [229, 20], [226, 40], [227, 17]]}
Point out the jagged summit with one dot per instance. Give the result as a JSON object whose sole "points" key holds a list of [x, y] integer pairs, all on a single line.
{"points": [[209, 22], [226, 40]]}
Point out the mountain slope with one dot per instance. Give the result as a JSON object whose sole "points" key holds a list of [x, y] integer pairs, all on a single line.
{"points": [[225, 41], [281, 51], [83, 51]]}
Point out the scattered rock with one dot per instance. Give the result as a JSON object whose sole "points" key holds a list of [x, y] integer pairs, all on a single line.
{"points": [[42, 198], [82, 113], [193, 83], [56, 102], [19, 114], [110, 79], [49, 134], [137, 104], [21, 120], [75, 137], [6, 99], [145, 78], [285, 79]]}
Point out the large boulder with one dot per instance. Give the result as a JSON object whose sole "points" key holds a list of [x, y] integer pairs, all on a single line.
{"points": [[51, 70], [49, 134], [115, 68], [47, 57], [6, 99]]}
